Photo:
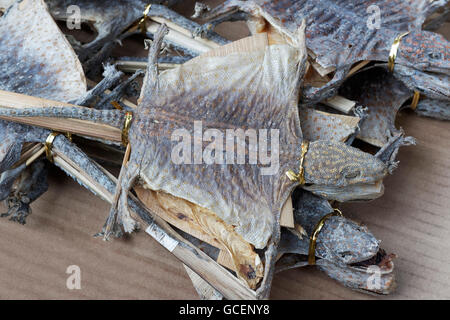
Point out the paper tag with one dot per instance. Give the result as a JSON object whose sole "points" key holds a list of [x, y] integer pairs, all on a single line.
{"points": [[160, 236]]}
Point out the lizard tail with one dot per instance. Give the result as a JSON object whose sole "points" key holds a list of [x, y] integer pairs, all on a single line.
{"points": [[113, 118]]}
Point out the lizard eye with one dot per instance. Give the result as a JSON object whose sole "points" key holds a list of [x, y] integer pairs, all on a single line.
{"points": [[434, 55], [352, 175]]}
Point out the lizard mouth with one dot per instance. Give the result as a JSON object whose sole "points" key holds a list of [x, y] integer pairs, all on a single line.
{"points": [[352, 192], [380, 270], [381, 259]]}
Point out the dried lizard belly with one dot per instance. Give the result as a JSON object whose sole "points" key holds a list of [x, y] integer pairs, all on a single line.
{"points": [[36, 58], [255, 90]]}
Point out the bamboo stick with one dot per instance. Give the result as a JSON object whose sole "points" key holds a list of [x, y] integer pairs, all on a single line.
{"points": [[204, 290], [340, 103], [287, 214], [195, 42], [81, 127], [182, 39], [358, 67], [133, 66], [206, 268]]}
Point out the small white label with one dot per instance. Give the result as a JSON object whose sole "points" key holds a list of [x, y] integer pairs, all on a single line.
{"points": [[160, 236]]}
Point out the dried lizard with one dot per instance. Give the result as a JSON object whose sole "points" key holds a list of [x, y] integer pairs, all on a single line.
{"points": [[326, 163], [383, 95], [345, 250], [29, 67], [112, 20], [338, 36]]}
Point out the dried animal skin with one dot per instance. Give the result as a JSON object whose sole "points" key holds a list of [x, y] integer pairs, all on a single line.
{"points": [[111, 19], [206, 226], [265, 98], [439, 109], [186, 83], [28, 187], [319, 125], [329, 45], [384, 95], [338, 35], [345, 250], [36, 58], [434, 91]]}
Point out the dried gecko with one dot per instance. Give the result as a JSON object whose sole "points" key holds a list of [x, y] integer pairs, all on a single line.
{"points": [[383, 95], [111, 21], [268, 101], [343, 258], [28, 66], [345, 250], [338, 36]]}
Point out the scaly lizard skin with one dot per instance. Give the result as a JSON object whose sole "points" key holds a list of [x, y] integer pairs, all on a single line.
{"points": [[156, 118], [318, 125], [383, 95], [345, 250], [53, 74], [338, 35], [111, 19], [27, 65], [234, 193], [37, 59]]}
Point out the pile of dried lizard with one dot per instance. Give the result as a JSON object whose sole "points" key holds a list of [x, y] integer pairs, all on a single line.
{"points": [[237, 154]]}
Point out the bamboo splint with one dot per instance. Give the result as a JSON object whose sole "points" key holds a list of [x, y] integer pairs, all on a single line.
{"points": [[181, 36], [192, 257], [80, 127]]}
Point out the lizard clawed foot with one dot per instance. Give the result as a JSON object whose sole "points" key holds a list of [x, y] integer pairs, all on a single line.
{"points": [[119, 219], [18, 209], [116, 232]]}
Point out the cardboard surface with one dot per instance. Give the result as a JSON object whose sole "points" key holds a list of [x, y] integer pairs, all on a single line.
{"points": [[412, 219]]}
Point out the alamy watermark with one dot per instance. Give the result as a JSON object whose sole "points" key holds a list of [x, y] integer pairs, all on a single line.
{"points": [[73, 282], [374, 20], [227, 147], [73, 17], [374, 280]]}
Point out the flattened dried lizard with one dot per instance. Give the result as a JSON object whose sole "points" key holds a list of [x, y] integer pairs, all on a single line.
{"points": [[338, 36], [28, 66], [113, 22], [384, 95], [269, 101], [346, 251]]}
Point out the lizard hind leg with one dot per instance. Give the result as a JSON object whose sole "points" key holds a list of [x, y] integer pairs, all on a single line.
{"points": [[119, 216]]}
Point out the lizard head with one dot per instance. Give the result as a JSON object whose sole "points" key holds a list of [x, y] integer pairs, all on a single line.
{"points": [[351, 254], [340, 172], [346, 251], [345, 242], [425, 51]]}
